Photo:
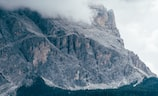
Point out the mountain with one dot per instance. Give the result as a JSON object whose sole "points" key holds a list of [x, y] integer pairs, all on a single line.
{"points": [[66, 54]]}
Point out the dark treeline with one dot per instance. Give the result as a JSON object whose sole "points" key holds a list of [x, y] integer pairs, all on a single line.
{"points": [[148, 88]]}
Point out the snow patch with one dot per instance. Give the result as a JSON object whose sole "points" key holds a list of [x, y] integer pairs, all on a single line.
{"points": [[49, 82], [77, 75]]}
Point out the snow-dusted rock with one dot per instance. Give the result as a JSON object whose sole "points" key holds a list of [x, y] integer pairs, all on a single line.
{"points": [[66, 54]]}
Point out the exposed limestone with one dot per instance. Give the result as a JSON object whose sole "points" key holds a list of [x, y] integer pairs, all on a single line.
{"points": [[41, 54], [67, 54], [103, 17]]}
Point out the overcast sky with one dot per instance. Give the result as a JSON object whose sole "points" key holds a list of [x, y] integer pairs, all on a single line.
{"points": [[136, 20]]}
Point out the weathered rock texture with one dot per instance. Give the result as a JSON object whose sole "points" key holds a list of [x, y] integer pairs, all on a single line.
{"points": [[64, 53]]}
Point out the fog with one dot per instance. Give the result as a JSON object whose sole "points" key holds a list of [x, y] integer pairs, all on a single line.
{"points": [[72, 9]]}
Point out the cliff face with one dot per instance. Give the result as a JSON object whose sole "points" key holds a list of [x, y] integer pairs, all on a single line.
{"points": [[64, 53], [103, 17]]}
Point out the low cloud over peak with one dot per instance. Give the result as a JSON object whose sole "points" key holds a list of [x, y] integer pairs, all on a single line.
{"points": [[74, 9]]}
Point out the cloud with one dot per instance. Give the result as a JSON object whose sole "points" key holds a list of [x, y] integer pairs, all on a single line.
{"points": [[136, 20], [74, 9]]}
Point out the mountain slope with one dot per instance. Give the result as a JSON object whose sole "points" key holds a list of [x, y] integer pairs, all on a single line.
{"points": [[66, 54]]}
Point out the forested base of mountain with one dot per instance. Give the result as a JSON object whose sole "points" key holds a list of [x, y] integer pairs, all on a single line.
{"points": [[149, 87]]}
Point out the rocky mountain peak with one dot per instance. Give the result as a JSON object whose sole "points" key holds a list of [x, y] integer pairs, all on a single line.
{"points": [[103, 17], [63, 53]]}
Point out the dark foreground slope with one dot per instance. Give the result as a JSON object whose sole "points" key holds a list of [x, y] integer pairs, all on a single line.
{"points": [[149, 87]]}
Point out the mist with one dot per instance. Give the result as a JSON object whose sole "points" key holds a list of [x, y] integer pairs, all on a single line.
{"points": [[72, 9]]}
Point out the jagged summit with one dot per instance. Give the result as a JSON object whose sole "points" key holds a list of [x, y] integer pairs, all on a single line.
{"points": [[64, 54], [103, 17]]}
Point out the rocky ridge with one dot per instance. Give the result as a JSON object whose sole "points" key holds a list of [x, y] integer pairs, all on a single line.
{"points": [[66, 54]]}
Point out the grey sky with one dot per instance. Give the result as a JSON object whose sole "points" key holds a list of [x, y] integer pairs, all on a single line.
{"points": [[136, 20]]}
